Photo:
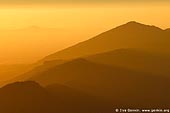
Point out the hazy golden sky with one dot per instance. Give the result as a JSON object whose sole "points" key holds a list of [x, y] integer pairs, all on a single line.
{"points": [[61, 24]]}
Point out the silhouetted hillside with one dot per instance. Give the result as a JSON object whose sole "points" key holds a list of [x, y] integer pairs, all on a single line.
{"points": [[135, 60], [25, 97], [81, 69], [130, 35], [35, 70], [30, 97], [11, 71], [116, 84], [96, 75], [167, 30], [77, 101]]}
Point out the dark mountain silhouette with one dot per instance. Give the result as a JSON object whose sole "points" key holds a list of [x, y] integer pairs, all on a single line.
{"points": [[77, 101], [25, 97], [100, 77], [119, 85], [130, 35], [167, 30], [34, 70], [30, 97], [80, 69], [135, 60], [10, 71]]}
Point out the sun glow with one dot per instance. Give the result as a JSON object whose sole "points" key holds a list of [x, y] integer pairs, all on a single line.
{"points": [[65, 25]]}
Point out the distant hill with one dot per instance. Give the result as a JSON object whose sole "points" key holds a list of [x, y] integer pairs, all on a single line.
{"points": [[31, 44], [96, 74], [11, 70], [129, 35], [116, 84], [27, 97], [8, 72], [30, 97], [135, 59], [81, 69]]}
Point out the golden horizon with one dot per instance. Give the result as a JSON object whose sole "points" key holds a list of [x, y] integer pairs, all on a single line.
{"points": [[73, 24]]}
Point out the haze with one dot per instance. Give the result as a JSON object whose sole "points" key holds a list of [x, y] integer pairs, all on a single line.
{"points": [[31, 32]]}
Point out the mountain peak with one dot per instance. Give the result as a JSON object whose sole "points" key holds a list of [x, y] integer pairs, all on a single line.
{"points": [[167, 30], [34, 27], [133, 22], [18, 85], [136, 26], [130, 35], [78, 61]]}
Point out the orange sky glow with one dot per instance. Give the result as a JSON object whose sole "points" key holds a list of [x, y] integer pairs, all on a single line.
{"points": [[31, 32]]}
